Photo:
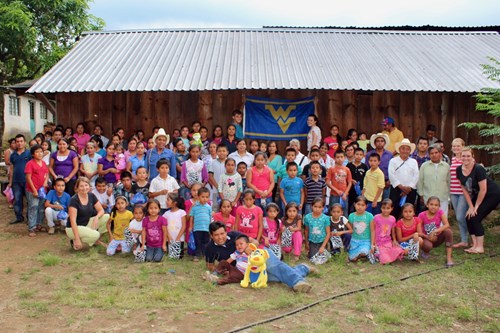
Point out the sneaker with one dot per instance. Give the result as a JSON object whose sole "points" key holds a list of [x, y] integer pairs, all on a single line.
{"points": [[312, 269], [16, 221], [211, 277], [302, 287], [51, 231]]}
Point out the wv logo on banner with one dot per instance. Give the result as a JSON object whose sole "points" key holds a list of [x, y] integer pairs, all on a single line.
{"points": [[267, 118]]}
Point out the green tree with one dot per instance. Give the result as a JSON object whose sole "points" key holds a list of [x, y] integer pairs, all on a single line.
{"points": [[488, 100], [35, 34]]}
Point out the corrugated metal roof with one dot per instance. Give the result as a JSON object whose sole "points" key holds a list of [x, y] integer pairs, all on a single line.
{"points": [[220, 59]]}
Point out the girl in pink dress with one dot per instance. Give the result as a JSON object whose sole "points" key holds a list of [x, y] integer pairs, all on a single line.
{"points": [[291, 231], [120, 161], [260, 178], [383, 235]]}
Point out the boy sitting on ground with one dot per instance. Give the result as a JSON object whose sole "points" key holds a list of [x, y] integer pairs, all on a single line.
{"points": [[230, 273]]}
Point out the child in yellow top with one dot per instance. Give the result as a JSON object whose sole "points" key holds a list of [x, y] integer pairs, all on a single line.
{"points": [[120, 218]]}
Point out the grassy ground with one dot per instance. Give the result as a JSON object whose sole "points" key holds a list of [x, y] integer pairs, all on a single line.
{"points": [[49, 287]]}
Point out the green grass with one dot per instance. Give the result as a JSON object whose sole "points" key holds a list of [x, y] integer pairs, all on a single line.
{"points": [[88, 288], [49, 259]]}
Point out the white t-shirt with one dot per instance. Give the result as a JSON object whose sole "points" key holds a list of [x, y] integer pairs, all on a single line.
{"points": [[104, 198], [174, 225], [316, 130], [136, 225], [158, 184]]}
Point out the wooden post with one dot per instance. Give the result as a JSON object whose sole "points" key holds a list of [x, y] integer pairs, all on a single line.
{"points": [[445, 132], [205, 102]]}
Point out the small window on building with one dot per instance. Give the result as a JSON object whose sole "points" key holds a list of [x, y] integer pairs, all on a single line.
{"points": [[43, 112], [32, 109], [14, 106]]}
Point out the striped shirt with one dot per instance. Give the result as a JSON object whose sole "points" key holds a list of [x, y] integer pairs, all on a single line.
{"points": [[241, 260], [314, 189], [455, 187], [202, 216]]}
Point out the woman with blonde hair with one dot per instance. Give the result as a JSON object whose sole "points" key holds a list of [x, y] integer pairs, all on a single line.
{"points": [[87, 221], [482, 196], [458, 201]]}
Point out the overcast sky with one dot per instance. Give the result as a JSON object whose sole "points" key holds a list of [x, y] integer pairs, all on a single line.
{"points": [[152, 14]]}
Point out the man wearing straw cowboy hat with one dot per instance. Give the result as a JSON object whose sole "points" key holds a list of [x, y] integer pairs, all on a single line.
{"points": [[378, 142], [160, 152], [403, 175]]}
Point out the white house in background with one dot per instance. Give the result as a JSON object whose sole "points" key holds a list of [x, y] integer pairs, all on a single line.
{"points": [[24, 113]]}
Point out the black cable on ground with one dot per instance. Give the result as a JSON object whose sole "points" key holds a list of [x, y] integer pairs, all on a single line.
{"points": [[355, 291]]}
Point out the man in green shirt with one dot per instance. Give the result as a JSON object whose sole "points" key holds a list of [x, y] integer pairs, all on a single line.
{"points": [[434, 178]]}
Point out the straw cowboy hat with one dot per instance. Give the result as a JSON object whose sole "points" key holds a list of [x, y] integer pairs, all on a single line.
{"points": [[405, 142], [161, 132], [379, 135]]}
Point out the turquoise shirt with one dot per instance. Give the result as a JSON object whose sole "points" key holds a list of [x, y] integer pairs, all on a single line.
{"points": [[317, 227]]}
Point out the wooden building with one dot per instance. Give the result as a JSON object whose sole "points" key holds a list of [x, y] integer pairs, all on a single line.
{"points": [[169, 78]]}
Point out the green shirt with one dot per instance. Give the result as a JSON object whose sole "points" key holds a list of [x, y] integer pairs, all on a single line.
{"points": [[434, 180]]}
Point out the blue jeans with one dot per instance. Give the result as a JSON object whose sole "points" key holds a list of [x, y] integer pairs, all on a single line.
{"points": [[460, 207], [278, 271], [36, 210], [19, 190], [154, 254], [111, 250], [374, 211], [386, 193], [307, 209], [258, 204]]}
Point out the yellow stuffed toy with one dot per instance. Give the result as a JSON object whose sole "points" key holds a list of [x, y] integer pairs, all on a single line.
{"points": [[256, 273]]}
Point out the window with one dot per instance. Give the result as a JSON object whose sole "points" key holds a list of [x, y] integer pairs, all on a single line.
{"points": [[32, 109], [43, 112], [14, 106]]}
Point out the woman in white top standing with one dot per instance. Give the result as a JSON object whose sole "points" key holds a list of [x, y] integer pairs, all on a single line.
{"points": [[314, 135], [241, 154], [456, 194]]}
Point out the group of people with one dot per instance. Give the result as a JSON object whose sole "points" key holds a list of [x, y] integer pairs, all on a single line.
{"points": [[382, 198]]}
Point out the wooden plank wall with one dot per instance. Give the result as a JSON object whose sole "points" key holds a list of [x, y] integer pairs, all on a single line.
{"points": [[412, 111]]}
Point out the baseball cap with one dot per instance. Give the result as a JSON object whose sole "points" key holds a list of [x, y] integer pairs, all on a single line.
{"points": [[387, 120]]}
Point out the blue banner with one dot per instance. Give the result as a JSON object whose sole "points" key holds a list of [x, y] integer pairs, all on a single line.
{"points": [[267, 118]]}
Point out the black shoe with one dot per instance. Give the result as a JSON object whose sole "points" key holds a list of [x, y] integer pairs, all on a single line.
{"points": [[16, 221], [71, 244]]}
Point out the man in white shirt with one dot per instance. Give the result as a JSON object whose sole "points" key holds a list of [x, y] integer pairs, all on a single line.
{"points": [[301, 159], [403, 175]]}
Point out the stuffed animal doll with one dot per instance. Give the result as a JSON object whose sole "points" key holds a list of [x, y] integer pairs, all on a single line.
{"points": [[256, 273], [197, 140]]}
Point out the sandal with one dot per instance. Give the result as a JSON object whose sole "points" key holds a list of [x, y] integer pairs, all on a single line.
{"points": [[41, 228], [459, 245], [450, 264], [474, 251], [32, 233]]}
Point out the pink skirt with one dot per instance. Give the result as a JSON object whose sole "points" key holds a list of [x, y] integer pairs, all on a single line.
{"points": [[388, 253]]}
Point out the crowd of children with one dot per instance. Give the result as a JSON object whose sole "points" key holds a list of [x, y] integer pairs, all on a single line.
{"points": [[334, 202]]}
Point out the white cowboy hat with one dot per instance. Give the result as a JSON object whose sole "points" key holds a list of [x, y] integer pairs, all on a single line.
{"points": [[379, 135], [161, 132], [405, 142]]}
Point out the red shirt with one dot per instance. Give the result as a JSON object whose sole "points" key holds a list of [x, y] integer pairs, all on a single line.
{"points": [[38, 174], [408, 230], [340, 176]]}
